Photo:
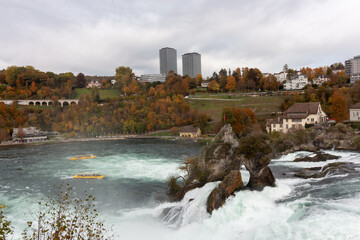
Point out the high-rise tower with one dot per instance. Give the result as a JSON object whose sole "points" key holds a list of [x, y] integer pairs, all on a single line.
{"points": [[191, 64], [168, 60]]}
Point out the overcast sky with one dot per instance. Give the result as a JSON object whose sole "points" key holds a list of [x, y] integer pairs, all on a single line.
{"points": [[94, 37]]}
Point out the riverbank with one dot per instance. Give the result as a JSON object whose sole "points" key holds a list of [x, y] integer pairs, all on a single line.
{"points": [[107, 138]]}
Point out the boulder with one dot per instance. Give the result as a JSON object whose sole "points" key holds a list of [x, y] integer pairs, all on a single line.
{"points": [[255, 154], [319, 157], [264, 178], [337, 168], [231, 183]]}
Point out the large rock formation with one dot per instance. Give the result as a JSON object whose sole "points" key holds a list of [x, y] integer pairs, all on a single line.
{"points": [[219, 157], [337, 168], [263, 178], [231, 183], [223, 158]]}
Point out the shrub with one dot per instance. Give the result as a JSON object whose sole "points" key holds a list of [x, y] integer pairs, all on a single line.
{"points": [[173, 186], [341, 128], [255, 144], [174, 130], [65, 217], [5, 226]]}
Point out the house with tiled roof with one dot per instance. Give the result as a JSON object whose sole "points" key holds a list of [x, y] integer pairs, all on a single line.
{"points": [[355, 113], [296, 116], [190, 132]]}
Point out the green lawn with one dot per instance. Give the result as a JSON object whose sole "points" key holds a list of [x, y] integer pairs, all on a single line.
{"points": [[214, 107], [104, 93]]}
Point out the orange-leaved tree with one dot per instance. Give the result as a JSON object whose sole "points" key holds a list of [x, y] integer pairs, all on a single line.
{"points": [[239, 118], [214, 86], [339, 106], [230, 83]]}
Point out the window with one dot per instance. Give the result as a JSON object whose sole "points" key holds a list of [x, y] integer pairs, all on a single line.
{"points": [[287, 127], [280, 125], [312, 120]]}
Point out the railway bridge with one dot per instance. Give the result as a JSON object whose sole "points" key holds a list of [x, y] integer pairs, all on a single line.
{"points": [[42, 102]]}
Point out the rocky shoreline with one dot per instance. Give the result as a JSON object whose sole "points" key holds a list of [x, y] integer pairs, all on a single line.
{"points": [[222, 159]]}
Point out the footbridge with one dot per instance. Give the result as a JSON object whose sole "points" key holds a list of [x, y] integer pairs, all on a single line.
{"points": [[42, 102]]}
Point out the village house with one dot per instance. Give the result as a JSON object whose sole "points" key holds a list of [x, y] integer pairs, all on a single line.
{"points": [[297, 82], [355, 113], [205, 84], [296, 116], [93, 84], [190, 132], [321, 79]]}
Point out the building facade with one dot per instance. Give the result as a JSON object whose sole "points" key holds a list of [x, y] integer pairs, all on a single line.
{"points": [[296, 116], [150, 78], [321, 79], [191, 64], [190, 132], [355, 113], [281, 76], [352, 68], [168, 60], [297, 82]]}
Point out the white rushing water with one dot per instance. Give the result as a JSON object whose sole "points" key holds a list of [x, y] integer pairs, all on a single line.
{"points": [[326, 208]]}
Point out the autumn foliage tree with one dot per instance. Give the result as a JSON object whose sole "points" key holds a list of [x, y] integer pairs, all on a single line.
{"points": [[230, 83], [214, 86], [241, 119], [339, 106]]}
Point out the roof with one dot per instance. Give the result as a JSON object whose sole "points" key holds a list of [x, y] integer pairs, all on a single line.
{"points": [[189, 129], [308, 107], [275, 121], [356, 106]]}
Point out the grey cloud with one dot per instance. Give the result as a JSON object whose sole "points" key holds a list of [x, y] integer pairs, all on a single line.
{"points": [[95, 37]]}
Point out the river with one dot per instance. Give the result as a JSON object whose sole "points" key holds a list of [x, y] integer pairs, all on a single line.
{"points": [[131, 196]]}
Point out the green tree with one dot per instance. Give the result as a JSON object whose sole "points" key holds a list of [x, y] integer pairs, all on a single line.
{"points": [[123, 76]]}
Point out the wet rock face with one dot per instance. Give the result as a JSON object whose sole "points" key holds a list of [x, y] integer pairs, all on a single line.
{"points": [[231, 183], [319, 157], [263, 179], [337, 168], [218, 158]]}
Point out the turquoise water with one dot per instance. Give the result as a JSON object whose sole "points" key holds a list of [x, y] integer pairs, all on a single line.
{"points": [[131, 197]]}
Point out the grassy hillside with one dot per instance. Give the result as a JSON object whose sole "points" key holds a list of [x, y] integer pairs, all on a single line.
{"points": [[214, 105], [104, 94]]}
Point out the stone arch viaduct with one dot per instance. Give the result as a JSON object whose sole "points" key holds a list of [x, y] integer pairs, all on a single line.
{"points": [[42, 102]]}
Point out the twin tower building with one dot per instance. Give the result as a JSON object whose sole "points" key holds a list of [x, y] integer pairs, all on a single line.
{"points": [[191, 62]]}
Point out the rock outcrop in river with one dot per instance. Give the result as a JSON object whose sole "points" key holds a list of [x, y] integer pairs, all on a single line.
{"points": [[222, 159]]}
